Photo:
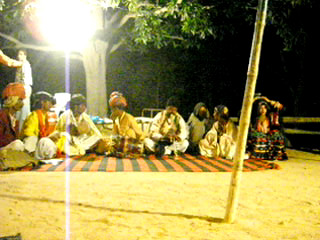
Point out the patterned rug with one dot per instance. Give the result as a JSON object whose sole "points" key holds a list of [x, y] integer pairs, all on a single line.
{"points": [[184, 163]]}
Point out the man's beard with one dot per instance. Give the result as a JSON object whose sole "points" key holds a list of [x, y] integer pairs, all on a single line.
{"points": [[168, 114]]}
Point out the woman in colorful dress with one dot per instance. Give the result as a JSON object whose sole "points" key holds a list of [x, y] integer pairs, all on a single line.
{"points": [[266, 140]]}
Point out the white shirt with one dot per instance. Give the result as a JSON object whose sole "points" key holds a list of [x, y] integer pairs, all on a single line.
{"points": [[161, 125], [24, 74]]}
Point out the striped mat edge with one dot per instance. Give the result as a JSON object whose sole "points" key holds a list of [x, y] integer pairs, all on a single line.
{"points": [[151, 163]]}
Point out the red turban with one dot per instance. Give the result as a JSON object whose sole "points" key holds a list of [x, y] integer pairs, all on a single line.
{"points": [[117, 100], [14, 89]]}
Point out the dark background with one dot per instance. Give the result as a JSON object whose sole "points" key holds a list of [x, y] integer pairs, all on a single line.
{"points": [[215, 73]]}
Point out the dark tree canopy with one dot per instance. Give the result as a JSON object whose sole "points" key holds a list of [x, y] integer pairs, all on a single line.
{"points": [[203, 50]]}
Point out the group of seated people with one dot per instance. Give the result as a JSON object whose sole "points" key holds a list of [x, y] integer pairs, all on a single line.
{"points": [[45, 135]]}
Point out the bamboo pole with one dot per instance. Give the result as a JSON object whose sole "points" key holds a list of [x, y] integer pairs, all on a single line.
{"points": [[246, 111]]}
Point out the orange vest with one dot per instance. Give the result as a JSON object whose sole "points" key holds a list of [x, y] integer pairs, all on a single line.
{"points": [[49, 125]]}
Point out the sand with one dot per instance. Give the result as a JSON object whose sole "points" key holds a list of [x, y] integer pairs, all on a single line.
{"points": [[273, 204]]}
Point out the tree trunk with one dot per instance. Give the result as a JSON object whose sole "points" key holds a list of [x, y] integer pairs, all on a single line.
{"points": [[94, 60]]}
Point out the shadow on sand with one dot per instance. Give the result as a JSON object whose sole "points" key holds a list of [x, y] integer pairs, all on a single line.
{"points": [[86, 205]]}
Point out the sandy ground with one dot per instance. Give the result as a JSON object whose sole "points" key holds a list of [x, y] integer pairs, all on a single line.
{"points": [[273, 204]]}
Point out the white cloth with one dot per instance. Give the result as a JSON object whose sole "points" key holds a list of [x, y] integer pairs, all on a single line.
{"points": [[224, 146], [25, 110], [86, 141], [78, 144], [68, 116], [24, 75], [14, 145], [161, 125], [30, 143], [180, 146], [46, 149]]}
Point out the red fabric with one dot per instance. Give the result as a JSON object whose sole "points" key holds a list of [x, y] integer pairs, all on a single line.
{"points": [[14, 89], [7, 133], [151, 163], [117, 100]]}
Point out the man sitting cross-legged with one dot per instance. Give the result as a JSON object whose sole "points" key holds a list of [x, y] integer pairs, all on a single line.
{"points": [[76, 128], [124, 124], [168, 131], [127, 137], [12, 96], [38, 126]]}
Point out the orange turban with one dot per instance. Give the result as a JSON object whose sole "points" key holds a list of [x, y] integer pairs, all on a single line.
{"points": [[117, 100], [14, 89]]}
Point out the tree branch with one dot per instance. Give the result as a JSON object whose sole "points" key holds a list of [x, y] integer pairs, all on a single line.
{"points": [[9, 38], [125, 19], [116, 46], [114, 18], [175, 37], [19, 44]]}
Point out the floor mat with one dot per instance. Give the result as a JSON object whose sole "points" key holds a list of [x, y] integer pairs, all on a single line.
{"points": [[184, 163]]}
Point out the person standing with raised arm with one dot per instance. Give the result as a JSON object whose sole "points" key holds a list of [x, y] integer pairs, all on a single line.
{"points": [[9, 62], [24, 76]]}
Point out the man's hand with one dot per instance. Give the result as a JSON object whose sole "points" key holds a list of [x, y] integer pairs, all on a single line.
{"points": [[172, 137]]}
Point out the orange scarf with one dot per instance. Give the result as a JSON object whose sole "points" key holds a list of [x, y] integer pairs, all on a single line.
{"points": [[47, 124]]}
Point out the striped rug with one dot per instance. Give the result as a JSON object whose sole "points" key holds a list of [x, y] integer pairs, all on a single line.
{"points": [[184, 163]]}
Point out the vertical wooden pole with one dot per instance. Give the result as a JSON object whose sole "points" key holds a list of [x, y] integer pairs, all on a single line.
{"points": [[246, 111]]}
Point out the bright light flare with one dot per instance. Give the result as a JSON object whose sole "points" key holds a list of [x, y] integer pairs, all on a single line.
{"points": [[66, 24]]}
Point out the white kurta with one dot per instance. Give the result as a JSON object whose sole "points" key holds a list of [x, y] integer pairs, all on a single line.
{"points": [[224, 146], [160, 126], [24, 75], [84, 141], [17, 145], [44, 148]]}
